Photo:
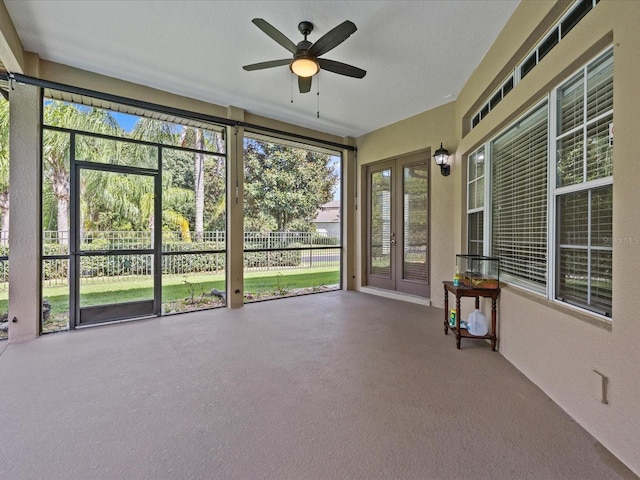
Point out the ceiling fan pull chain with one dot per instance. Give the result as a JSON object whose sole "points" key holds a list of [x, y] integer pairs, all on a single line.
{"points": [[318, 96], [292, 75]]}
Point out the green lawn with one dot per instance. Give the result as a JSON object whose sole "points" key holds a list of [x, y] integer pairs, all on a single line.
{"points": [[179, 287]]}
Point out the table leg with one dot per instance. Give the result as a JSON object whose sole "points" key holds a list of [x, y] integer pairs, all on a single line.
{"points": [[458, 334], [493, 324], [446, 311]]}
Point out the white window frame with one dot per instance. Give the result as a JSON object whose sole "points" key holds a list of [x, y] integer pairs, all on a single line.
{"points": [[553, 192], [485, 194], [516, 71], [556, 192]]}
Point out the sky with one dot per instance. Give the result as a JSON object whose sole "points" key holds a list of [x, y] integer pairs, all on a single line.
{"points": [[127, 122]]}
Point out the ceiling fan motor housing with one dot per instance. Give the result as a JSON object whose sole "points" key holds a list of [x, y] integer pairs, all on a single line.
{"points": [[305, 27]]}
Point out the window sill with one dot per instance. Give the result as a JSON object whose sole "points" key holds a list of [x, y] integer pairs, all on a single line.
{"points": [[581, 315]]}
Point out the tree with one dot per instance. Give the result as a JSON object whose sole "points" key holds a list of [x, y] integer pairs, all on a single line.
{"points": [[55, 150], [285, 183], [4, 168], [200, 139], [194, 138]]}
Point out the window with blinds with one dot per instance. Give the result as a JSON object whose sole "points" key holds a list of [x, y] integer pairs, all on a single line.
{"points": [[584, 187], [475, 202], [476, 233], [519, 200]]}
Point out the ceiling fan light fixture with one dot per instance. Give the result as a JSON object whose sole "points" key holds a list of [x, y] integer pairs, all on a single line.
{"points": [[305, 67]]}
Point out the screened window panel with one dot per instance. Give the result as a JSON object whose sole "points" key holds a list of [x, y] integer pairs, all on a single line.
{"points": [[585, 278], [585, 225], [115, 152], [472, 195], [573, 216], [602, 216], [585, 267], [476, 165], [479, 200], [476, 194], [601, 281], [573, 275], [571, 104], [475, 178], [600, 86], [570, 159], [599, 149], [476, 233], [519, 200]]}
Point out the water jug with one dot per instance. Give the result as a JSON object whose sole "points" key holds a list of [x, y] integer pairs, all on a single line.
{"points": [[477, 323]]}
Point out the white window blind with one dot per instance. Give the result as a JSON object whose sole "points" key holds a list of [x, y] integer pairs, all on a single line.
{"points": [[585, 252], [584, 154], [519, 200], [476, 233], [475, 201]]}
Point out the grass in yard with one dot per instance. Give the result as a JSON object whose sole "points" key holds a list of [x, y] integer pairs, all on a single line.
{"points": [[177, 287]]}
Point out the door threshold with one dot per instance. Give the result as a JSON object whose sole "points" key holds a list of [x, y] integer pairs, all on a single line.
{"points": [[405, 297], [115, 322]]}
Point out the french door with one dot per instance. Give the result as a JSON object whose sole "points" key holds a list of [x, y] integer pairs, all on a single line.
{"points": [[398, 225], [131, 265]]}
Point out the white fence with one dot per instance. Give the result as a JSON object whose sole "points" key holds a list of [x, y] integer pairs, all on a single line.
{"points": [[263, 251]]}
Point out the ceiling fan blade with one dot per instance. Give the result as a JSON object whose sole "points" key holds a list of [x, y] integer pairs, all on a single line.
{"points": [[332, 38], [304, 84], [341, 68], [275, 34], [269, 64]]}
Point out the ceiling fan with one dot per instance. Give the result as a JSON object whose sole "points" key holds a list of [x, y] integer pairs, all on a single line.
{"points": [[305, 62]]}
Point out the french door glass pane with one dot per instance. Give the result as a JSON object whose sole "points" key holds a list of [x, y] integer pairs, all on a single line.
{"points": [[380, 261], [416, 216]]}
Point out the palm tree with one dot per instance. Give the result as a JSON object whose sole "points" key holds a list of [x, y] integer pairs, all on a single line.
{"points": [[55, 150], [4, 169], [200, 139], [173, 198], [194, 138]]}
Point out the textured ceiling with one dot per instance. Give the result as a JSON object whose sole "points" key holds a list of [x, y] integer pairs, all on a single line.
{"points": [[417, 54]]}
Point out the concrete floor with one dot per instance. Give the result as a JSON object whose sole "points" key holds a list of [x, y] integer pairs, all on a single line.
{"points": [[340, 385]]}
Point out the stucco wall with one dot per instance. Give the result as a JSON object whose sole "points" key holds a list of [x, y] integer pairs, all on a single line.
{"points": [[422, 132], [556, 347]]}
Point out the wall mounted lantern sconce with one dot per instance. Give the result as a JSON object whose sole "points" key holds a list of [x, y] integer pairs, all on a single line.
{"points": [[442, 160]]}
